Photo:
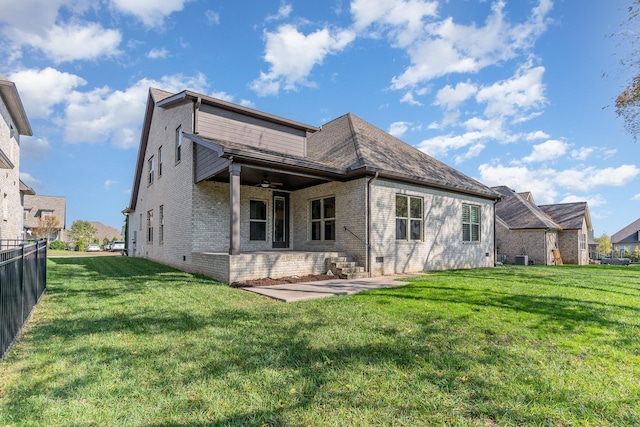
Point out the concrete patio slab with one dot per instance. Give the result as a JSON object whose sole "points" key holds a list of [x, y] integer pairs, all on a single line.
{"points": [[291, 292]]}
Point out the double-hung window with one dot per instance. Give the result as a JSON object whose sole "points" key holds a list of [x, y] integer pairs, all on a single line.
{"points": [[178, 144], [150, 168], [257, 220], [408, 217], [150, 226], [159, 162], [470, 223], [323, 219]]}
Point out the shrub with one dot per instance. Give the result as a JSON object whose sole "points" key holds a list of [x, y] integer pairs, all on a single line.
{"points": [[57, 245]]}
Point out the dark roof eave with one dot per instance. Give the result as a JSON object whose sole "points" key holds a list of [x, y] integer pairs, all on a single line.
{"points": [[188, 96], [280, 161], [368, 171]]}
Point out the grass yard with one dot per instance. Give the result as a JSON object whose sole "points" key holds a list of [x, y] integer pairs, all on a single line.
{"points": [[123, 341]]}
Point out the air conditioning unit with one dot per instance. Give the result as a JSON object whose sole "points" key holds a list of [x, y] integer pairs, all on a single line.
{"points": [[522, 260]]}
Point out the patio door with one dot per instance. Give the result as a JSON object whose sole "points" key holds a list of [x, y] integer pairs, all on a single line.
{"points": [[280, 220]]}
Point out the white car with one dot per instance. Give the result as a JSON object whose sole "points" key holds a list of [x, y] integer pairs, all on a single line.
{"points": [[117, 246], [93, 247]]}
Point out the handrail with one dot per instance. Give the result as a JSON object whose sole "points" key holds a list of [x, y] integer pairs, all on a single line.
{"points": [[356, 236]]}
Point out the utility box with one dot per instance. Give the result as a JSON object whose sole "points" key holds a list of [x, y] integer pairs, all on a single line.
{"points": [[522, 260]]}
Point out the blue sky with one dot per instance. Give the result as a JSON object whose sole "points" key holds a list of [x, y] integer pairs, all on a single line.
{"points": [[514, 93]]}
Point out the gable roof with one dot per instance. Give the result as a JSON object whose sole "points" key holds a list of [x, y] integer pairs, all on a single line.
{"points": [[518, 213], [345, 148], [355, 145], [11, 98], [628, 234], [569, 215]]}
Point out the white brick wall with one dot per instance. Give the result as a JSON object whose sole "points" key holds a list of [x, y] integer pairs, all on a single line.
{"points": [[11, 210], [442, 246], [527, 242]]}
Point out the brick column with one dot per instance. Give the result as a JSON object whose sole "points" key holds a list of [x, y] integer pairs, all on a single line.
{"points": [[234, 209]]}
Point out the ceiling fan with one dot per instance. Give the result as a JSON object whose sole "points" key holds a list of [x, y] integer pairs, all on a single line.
{"points": [[266, 183]]}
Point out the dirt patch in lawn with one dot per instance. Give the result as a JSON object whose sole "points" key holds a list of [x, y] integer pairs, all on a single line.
{"points": [[267, 281]]}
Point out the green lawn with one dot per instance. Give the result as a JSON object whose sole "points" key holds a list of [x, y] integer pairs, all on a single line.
{"points": [[123, 341]]}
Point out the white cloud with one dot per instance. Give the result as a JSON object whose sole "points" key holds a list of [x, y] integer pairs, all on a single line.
{"points": [[636, 197], [409, 99], [41, 90], [104, 114], [473, 151], [521, 178], [398, 129], [403, 19], [292, 56], [533, 136], [63, 43], [283, 12], [108, 183], [586, 178], [150, 12], [158, 53], [213, 17], [30, 180], [592, 201], [34, 148], [443, 47], [582, 153], [548, 150], [511, 97], [450, 98]]}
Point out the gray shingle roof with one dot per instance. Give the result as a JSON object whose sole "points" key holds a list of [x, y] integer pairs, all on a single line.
{"points": [[353, 144], [628, 234], [518, 213], [568, 215]]}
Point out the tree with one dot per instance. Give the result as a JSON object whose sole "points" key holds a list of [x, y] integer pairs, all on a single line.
{"points": [[47, 225], [604, 244], [81, 232], [628, 102]]}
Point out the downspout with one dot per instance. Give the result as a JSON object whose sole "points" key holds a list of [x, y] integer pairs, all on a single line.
{"points": [[368, 265], [546, 254], [196, 110]]}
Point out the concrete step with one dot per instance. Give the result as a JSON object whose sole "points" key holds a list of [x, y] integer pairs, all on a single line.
{"points": [[352, 276]]}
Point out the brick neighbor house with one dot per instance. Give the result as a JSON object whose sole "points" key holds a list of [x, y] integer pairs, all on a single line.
{"points": [[535, 231], [627, 239], [238, 194], [38, 210], [14, 123]]}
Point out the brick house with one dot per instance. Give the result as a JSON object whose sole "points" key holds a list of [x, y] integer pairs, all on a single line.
{"points": [[14, 123], [37, 209], [535, 231], [237, 194], [627, 239]]}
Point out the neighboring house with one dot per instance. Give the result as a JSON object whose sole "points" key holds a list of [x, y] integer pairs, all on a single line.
{"points": [[239, 194], [526, 229], [106, 232], [38, 210], [627, 239], [575, 227], [523, 229], [14, 123]]}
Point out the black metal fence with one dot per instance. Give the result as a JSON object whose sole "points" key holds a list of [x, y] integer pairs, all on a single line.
{"points": [[23, 280]]}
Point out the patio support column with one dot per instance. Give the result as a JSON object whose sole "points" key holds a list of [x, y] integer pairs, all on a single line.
{"points": [[234, 209]]}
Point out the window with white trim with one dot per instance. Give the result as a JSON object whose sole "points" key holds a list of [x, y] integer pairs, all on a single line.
{"points": [[160, 162], [150, 168], [470, 223], [257, 220], [409, 222], [150, 226], [178, 144], [583, 241], [323, 219]]}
